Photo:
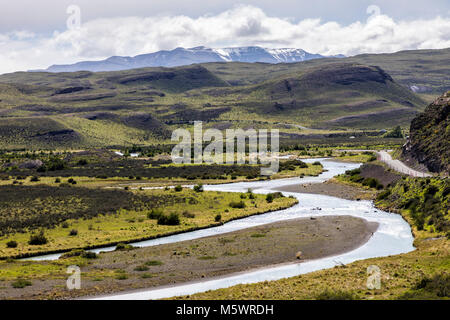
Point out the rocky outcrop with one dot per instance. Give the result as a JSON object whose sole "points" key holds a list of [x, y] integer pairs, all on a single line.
{"points": [[429, 140]]}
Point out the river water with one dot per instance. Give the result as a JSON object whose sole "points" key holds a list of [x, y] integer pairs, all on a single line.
{"points": [[393, 235]]}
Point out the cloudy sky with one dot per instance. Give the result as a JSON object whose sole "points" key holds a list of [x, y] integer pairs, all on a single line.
{"points": [[35, 34]]}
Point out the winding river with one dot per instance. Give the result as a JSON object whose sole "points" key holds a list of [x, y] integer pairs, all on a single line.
{"points": [[393, 235]]}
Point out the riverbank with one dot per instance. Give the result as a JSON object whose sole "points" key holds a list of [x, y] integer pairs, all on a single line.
{"points": [[420, 274], [196, 211], [210, 257], [331, 188]]}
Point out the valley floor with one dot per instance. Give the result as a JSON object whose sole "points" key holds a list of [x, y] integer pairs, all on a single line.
{"points": [[205, 258]]}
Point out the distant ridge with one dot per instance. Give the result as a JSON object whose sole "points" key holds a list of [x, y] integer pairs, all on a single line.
{"points": [[182, 56]]}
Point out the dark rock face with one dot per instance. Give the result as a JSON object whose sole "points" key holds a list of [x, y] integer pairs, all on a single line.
{"points": [[347, 74], [429, 141]]}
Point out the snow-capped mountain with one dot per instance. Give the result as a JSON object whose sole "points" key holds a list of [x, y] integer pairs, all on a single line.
{"points": [[182, 56]]}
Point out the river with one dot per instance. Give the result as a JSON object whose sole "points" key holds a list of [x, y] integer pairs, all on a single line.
{"points": [[393, 235]]}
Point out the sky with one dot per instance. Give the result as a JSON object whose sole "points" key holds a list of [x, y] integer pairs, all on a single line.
{"points": [[36, 34]]}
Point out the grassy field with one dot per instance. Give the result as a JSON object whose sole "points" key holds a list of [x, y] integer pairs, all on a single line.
{"points": [[195, 210], [142, 106], [405, 276], [420, 274], [191, 260]]}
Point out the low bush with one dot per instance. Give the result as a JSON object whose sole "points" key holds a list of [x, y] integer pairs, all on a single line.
{"points": [[435, 287], [155, 214], [72, 253], [153, 263], [198, 188], [372, 183], [20, 283], [123, 247], [89, 255], [11, 244], [38, 239], [172, 219], [141, 268], [237, 204]]}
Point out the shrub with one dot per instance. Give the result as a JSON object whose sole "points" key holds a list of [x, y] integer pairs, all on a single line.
{"points": [[34, 179], [89, 255], [57, 180], [198, 188], [141, 268], [155, 214], [217, 218], [438, 286], [11, 244], [153, 263], [257, 235], [38, 239], [178, 188], [372, 183], [394, 133], [73, 232], [353, 172], [317, 163], [172, 219], [124, 247], [72, 253], [65, 225], [20, 283], [384, 194], [121, 276], [237, 205], [269, 197]]}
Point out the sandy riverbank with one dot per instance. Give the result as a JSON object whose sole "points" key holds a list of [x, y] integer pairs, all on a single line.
{"points": [[210, 257], [331, 188]]}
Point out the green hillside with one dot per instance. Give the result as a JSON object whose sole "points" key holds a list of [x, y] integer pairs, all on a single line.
{"points": [[142, 106], [427, 69], [429, 142]]}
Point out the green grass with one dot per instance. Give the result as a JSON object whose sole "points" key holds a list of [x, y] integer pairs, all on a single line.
{"points": [[142, 106], [127, 225]]}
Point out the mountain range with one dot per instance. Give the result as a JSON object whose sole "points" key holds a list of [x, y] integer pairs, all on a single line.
{"points": [[182, 56]]}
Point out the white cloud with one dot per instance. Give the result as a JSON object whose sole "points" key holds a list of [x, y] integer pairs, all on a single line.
{"points": [[242, 25]]}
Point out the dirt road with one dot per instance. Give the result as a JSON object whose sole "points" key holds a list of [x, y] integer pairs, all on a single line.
{"points": [[399, 166]]}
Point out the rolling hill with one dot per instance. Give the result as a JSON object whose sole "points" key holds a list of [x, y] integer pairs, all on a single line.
{"points": [[142, 106]]}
